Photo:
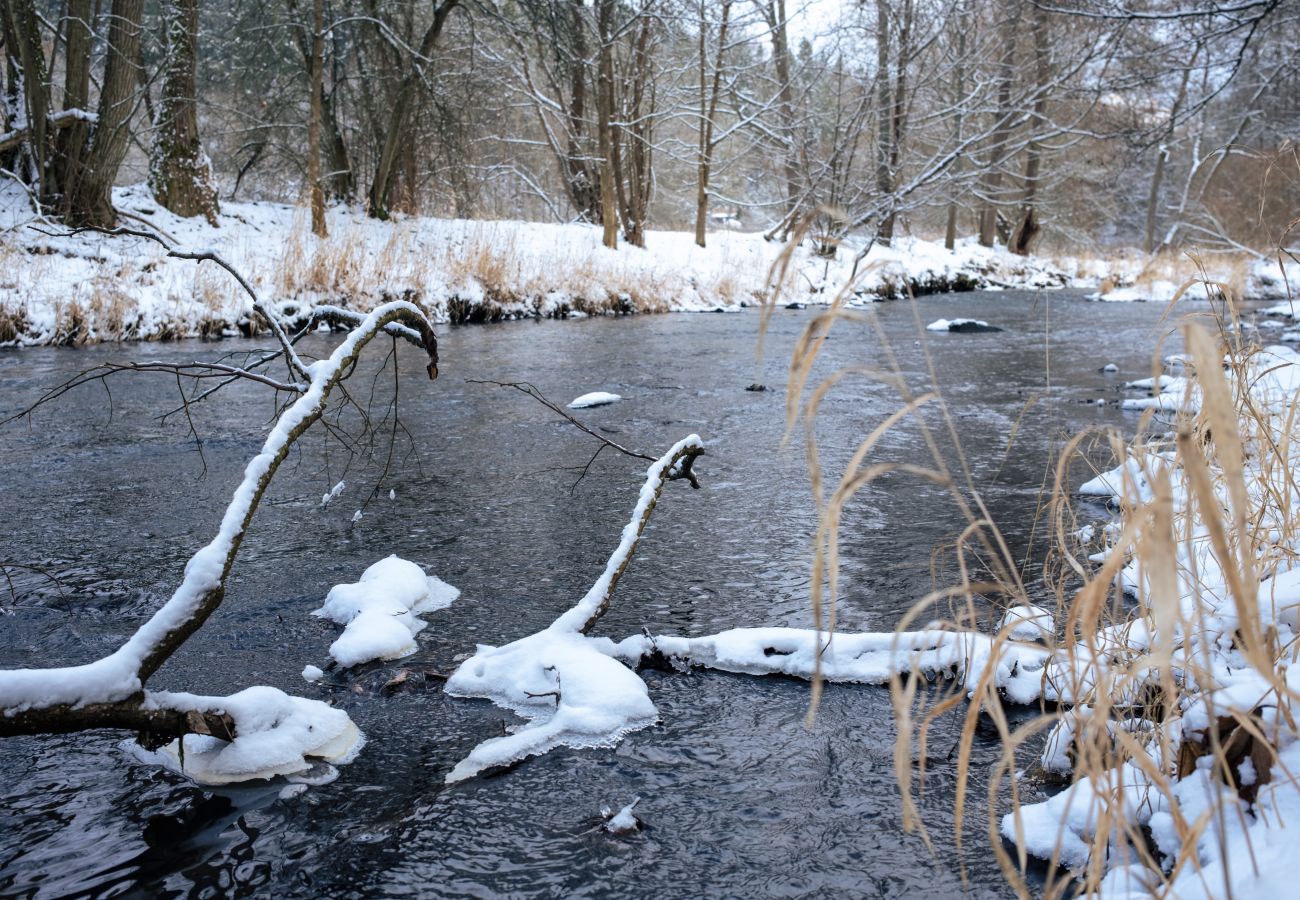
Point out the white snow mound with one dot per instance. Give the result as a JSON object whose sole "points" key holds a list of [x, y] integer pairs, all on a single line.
{"points": [[572, 690], [379, 612], [275, 735], [595, 398]]}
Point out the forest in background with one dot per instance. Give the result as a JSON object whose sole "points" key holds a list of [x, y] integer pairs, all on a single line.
{"points": [[1033, 124]]}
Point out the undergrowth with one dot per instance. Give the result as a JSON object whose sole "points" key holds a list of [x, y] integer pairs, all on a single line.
{"points": [[1171, 641]]}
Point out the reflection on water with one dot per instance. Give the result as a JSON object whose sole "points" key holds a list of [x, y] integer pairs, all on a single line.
{"points": [[738, 797]]}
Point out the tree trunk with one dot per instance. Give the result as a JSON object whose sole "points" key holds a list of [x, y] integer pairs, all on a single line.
{"points": [[1026, 231], [180, 174], [604, 123], [89, 197], [395, 134], [777, 22], [23, 38], [709, 109], [317, 189], [632, 175], [992, 180], [1162, 158], [959, 99], [80, 37], [340, 180]]}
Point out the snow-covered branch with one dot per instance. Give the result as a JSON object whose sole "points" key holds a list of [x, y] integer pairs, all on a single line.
{"points": [[570, 686], [109, 692]]}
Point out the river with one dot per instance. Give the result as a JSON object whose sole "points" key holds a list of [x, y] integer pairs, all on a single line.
{"points": [[738, 797]]}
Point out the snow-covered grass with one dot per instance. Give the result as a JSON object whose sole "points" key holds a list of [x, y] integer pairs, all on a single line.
{"points": [[1181, 747], [1131, 277], [91, 287], [1165, 668]]}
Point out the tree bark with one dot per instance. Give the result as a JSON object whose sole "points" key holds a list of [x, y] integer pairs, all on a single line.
{"points": [[709, 108], [959, 99], [1162, 158], [1027, 230], [395, 133], [89, 197], [180, 174], [775, 14], [23, 40], [604, 123], [315, 187], [992, 181]]}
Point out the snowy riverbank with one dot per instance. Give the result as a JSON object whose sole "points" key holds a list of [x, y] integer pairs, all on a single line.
{"points": [[91, 287]]}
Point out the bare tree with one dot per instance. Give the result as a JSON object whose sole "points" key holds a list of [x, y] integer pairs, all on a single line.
{"points": [[709, 94], [180, 173]]}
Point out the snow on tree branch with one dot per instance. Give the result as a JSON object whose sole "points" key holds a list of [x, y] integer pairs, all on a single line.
{"points": [[109, 692], [568, 685]]}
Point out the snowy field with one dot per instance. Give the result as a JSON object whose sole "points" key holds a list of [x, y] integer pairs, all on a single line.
{"points": [[91, 287]]}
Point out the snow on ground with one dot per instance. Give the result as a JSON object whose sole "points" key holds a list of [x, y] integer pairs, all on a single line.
{"points": [[1166, 393], [380, 611], [595, 398], [91, 287], [1134, 277], [1028, 623]]}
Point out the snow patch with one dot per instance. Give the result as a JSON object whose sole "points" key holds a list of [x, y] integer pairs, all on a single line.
{"points": [[276, 735], [380, 611], [595, 398]]}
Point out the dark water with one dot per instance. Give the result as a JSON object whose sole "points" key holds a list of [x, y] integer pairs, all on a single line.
{"points": [[738, 797]]}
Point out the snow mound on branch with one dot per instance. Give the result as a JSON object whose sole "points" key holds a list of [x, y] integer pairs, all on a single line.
{"points": [[1019, 670], [275, 735], [595, 398], [622, 822], [1028, 623], [379, 612], [568, 686]]}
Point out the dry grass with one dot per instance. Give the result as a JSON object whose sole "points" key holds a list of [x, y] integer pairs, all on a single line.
{"points": [[1222, 488]]}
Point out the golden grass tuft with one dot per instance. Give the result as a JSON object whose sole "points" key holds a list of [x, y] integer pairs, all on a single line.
{"points": [[1234, 461]]}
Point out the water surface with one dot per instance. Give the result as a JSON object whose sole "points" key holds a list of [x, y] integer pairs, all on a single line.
{"points": [[737, 796]]}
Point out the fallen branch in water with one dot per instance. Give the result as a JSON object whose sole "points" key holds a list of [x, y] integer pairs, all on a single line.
{"points": [[568, 684], [683, 471], [110, 692]]}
